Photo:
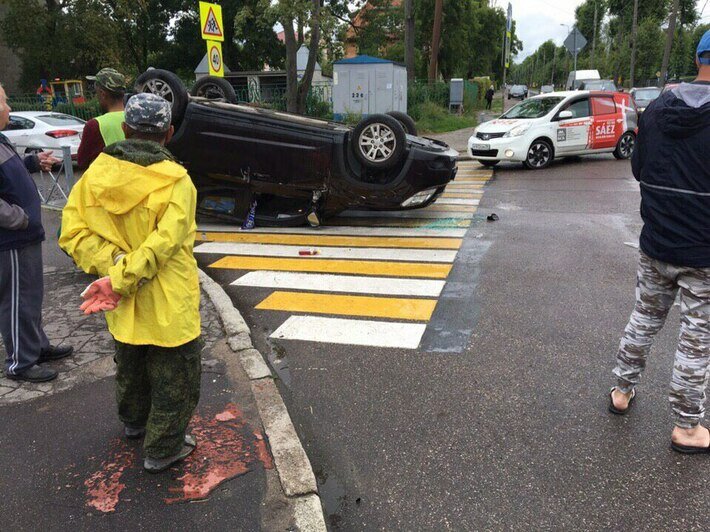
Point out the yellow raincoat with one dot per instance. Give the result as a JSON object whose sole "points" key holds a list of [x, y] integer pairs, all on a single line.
{"points": [[147, 213]]}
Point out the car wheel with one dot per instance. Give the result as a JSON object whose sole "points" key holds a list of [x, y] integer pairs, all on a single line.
{"points": [[379, 142], [407, 122], [625, 146], [166, 85], [214, 88], [489, 164], [540, 155]]}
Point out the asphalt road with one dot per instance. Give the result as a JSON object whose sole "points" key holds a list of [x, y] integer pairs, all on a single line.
{"points": [[510, 432]]}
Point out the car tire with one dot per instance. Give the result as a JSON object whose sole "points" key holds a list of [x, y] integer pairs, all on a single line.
{"points": [[214, 88], [166, 85], [625, 146], [540, 155], [379, 142], [489, 164], [407, 122]]}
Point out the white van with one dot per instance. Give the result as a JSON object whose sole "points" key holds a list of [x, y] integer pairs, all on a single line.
{"points": [[578, 76]]}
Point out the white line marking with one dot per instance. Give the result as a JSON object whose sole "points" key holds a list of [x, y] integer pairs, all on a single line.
{"points": [[353, 284], [419, 213], [338, 230], [351, 332], [277, 250], [457, 201]]}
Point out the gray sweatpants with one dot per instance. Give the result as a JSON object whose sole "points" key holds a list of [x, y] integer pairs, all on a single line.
{"points": [[21, 292], [656, 288]]}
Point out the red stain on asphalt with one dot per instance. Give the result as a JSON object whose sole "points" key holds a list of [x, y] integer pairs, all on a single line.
{"points": [[262, 452], [225, 416], [104, 487]]}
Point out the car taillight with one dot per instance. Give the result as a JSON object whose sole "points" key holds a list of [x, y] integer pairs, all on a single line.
{"points": [[61, 133]]}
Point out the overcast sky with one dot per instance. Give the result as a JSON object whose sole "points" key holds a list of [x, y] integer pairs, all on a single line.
{"points": [[539, 20]]}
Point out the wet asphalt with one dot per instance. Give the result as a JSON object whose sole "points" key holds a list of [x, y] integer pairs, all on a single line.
{"points": [[511, 432]]}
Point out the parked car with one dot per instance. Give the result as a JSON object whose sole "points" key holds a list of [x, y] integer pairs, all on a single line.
{"points": [[297, 168], [30, 131], [579, 76], [546, 89], [558, 124], [597, 85], [643, 96], [518, 91]]}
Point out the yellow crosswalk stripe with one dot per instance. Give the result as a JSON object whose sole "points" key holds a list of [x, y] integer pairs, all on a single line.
{"points": [[346, 305], [424, 223], [460, 195], [360, 267], [438, 207], [330, 240]]}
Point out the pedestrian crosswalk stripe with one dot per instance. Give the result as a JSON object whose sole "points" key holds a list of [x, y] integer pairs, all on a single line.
{"points": [[351, 332], [401, 222], [448, 232], [396, 308], [461, 212], [278, 250], [358, 267], [352, 284], [457, 201], [332, 240], [454, 208], [460, 195]]}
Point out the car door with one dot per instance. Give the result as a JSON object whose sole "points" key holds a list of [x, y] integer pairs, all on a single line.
{"points": [[607, 123], [19, 132], [573, 133]]}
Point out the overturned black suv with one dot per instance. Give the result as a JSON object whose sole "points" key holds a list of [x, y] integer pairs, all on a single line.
{"points": [[297, 169]]}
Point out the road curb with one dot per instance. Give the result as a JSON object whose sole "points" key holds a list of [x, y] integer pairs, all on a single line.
{"points": [[292, 464]]}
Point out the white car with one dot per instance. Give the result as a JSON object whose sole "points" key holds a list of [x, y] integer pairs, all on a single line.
{"points": [[558, 124], [33, 131]]}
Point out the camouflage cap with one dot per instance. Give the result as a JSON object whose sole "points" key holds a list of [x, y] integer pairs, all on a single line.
{"points": [[110, 79], [148, 113]]}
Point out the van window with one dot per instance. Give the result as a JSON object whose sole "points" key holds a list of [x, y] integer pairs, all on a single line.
{"points": [[603, 106]]}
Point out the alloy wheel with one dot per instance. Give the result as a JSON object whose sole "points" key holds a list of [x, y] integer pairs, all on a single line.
{"points": [[377, 142], [626, 145], [539, 155], [159, 87]]}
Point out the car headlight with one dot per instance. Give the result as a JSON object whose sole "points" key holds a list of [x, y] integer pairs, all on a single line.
{"points": [[419, 198], [517, 130]]}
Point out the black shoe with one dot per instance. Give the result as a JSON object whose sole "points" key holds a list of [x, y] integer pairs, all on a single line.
{"points": [[34, 374], [134, 433], [55, 353]]}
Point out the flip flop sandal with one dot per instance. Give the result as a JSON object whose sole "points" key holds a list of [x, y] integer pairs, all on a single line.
{"points": [[689, 449], [618, 411]]}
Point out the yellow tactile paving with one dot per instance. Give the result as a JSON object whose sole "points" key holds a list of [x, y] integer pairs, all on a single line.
{"points": [[328, 240], [346, 305], [360, 267]]}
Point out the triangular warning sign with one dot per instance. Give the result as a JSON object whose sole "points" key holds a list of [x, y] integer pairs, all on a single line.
{"points": [[211, 25]]}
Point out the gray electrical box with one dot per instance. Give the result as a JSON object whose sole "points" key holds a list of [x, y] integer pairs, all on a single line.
{"points": [[456, 93], [366, 85]]}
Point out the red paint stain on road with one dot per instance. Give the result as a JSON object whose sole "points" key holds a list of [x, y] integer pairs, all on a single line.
{"points": [[225, 416], [103, 488]]}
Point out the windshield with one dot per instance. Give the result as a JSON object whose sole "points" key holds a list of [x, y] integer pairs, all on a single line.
{"points": [[647, 94], [520, 88], [56, 119], [535, 108], [602, 85]]}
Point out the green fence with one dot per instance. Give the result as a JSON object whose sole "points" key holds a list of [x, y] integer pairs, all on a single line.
{"points": [[421, 91], [33, 102]]}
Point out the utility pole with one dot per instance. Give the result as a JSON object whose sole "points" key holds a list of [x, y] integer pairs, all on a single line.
{"points": [[409, 38], [594, 37], [552, 76], [669, 41], [633, 41], [435, 41]]}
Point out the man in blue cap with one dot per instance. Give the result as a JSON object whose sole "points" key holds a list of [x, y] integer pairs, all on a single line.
{"points": [[670, 162]]}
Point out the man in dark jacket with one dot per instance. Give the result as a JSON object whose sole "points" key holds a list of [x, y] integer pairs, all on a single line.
{"points": [[670, 164], [489, 96], [21, 275]]}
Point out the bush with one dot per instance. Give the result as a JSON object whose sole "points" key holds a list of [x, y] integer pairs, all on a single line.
{"points": [[432, 118]]}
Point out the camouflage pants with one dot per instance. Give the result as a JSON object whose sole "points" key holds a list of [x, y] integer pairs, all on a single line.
{"points": [[656, 288], [158, 388]]}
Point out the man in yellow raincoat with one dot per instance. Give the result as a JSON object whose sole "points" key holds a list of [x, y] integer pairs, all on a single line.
{"points": [[131, 220]]}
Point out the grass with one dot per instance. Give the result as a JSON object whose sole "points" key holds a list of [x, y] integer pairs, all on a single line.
{"points": [[432, 118]]}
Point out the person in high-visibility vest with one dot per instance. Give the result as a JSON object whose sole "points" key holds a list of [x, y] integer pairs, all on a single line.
{"points": [[106, 129]]}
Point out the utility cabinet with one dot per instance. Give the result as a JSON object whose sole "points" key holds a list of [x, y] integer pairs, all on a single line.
{"points": [[366, 85]]}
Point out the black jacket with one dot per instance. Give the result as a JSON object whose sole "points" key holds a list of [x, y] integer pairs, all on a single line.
{"points": [[20, 205], [672, 163], [489, 94]]}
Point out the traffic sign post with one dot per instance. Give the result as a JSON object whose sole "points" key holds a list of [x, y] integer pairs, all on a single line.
{"points": [[506, 51], [575, 43], [212, 31]]}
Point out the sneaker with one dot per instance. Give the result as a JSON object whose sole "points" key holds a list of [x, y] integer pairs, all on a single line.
{"points": [[134, 433], [34, 374], [55, 353], [156, 465]]}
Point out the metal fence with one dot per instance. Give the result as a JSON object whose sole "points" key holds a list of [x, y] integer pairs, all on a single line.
{"points": [[34, 102], [54, 186]]}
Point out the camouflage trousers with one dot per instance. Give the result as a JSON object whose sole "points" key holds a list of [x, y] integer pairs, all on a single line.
{"points": [[158, 388], [656, 288]]}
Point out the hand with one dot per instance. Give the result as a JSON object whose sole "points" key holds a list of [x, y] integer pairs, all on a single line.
{"points": [[99, 296], [47, 160]]}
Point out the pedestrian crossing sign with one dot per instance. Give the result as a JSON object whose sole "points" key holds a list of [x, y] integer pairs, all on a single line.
{"points": [[211, 21]]}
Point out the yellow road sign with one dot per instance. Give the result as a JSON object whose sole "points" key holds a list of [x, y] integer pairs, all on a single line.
{"points": [[211, 25], [214, 58]]}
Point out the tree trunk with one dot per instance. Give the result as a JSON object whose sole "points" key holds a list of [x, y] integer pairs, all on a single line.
{"points": [[301, 38], [669, 40], [435, 41], [304, 86], [409, 38], [291, 72]]}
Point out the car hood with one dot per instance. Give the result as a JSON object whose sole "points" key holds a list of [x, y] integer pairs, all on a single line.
{"points": [[501, 125]]}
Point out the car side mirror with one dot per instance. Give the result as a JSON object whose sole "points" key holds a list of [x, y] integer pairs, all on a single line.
{"points": [[565, 115]]}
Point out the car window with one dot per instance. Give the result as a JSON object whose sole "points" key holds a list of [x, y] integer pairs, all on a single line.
{"points": [[578, 108], [603, 106], [57, 119], [534, 108], [18, 123], [647, 94]]}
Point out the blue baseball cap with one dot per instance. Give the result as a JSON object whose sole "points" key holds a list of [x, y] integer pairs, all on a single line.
{"points": [[704, 46]]}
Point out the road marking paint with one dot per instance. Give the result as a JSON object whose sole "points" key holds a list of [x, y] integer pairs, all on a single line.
{"points": [[353, 284], [460, 213], [330, 240], [401, 222], [457, 201], [333, 230], [278, 250], [347, 305], [460, 195], [361, 267], [452, 208], [351, 332]]}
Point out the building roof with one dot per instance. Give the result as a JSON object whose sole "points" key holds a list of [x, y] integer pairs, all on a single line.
{"points": [[363, 60]]}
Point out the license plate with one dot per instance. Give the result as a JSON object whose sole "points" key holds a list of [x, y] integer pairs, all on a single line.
{"points": [[480, 147]]}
